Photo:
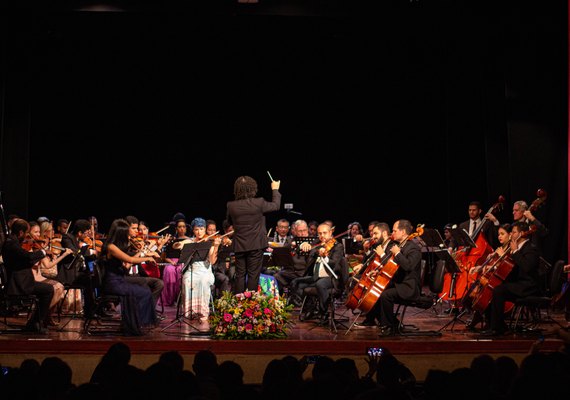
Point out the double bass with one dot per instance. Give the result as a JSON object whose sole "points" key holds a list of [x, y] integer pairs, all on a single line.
{"points": [[376, 278], [454, 287]]}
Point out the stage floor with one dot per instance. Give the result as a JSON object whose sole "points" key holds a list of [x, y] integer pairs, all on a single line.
{"points": [[455, 347]]}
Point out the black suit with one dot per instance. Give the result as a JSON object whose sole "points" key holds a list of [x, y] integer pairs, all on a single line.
{"points": [[250, 237], [405, 285], [521, 282], [323, 284], [19, 263], [72, 270]]}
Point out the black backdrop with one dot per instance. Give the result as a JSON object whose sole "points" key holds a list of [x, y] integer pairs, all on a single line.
{"points": [[410, 111]]}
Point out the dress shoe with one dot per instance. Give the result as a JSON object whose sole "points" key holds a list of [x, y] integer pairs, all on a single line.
{"points": [[386, 331], [365, 324]]}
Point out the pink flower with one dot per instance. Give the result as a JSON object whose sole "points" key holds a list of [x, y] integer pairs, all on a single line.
{"points": [[248, 313], [267, 311], [227, 317], [248, 327], [247, 294]]}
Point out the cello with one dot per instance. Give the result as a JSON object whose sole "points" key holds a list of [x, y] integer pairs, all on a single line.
{"points": [[376, 278], [454, 287], [495, 275]]}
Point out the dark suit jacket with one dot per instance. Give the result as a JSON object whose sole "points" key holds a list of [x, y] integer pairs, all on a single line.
{"points": [[336, 255], [407, 278], [19, 263], [248, 221], [523, 279], [489, 230]]}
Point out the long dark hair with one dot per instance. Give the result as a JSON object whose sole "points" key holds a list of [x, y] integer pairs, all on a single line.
{"points": [[118, 235]]}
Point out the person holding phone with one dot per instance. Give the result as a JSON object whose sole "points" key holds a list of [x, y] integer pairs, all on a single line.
{"points": [[246, 215]]}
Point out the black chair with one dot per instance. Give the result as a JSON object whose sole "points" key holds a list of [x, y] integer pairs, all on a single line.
{"points": [[529, 312], [104, 325], [14, 306], [311, 302], [424, 302]]}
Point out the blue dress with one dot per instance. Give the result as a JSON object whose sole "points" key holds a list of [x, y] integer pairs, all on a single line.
{"points": [[137, 307]]}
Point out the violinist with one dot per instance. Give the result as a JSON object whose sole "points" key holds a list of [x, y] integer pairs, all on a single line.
{"points": [[523, 281], [224, 271], [172, 270], [136, 273], [73, 269], [62, 227], [47, 263], [198, 278], [327, 252], [300, 263], [19, 263]]}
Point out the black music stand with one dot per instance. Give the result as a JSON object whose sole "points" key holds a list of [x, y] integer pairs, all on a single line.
{"points": [[281, 257], [304, 239], [462, 239], [190, 252]]}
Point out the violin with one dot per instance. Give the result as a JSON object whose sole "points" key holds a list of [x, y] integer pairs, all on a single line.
{"points": [[33, 244], [97, 245]]}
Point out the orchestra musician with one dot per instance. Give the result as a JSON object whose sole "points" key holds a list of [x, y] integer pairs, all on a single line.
{"points": [[171, 273], [327, 255], [381, 244], [282, 236], [405, 285], [522, 281], [137, 305], [19, 263], [224, 270], [246, 214], [136, 273], [47, 263], [300, 262], [72, 269], [198, 278], [504, 237]]}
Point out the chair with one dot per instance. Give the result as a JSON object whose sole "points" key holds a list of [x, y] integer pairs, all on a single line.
{"points": [[530, 309], [14, 305], [424, 302], [310, 295], [106, 325]]}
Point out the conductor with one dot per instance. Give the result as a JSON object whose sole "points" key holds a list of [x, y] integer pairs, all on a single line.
{"points": [[246, 214]]}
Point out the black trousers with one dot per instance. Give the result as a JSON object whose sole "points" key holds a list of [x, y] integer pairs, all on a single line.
{"points": [[156, 285], [248, 263]]}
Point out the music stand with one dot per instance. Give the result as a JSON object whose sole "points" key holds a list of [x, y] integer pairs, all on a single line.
{"points": [[462, 238], [304, 239], [190, 252], [281, 257]]}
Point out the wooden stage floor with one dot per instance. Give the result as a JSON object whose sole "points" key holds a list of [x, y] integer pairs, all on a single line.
{"points": [[455, 348]]}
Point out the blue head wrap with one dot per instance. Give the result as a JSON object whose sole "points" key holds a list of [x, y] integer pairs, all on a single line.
{"points": [[199, 222]]}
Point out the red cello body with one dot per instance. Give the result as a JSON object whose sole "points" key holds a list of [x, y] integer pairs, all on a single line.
{"points": [[482, 291]]}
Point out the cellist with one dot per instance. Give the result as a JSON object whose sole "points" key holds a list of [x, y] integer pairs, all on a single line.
{"points": [[380, 246], [405, 285], [504, 237], [523, 281]]}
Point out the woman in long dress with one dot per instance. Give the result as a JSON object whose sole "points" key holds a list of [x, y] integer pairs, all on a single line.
{"points": [[198, 279], [137, 306]]}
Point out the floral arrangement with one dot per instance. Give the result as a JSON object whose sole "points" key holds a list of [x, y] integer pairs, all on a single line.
{"points": [[250, 315]]}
